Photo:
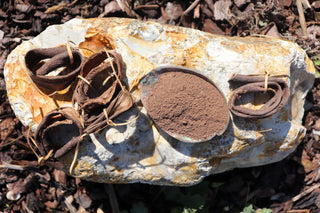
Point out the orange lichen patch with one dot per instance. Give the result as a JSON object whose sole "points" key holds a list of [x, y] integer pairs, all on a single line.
{"points": [[309, 65], [262, 48], [195, 53], [271, 146], [154, 160], [238, 146], [159, 173], [142, 67], [214, 161], [112, 23], [258, 45], [238, 133], [298, 137], [176, 36], [242, 140], [182, 179], [273, 69], [187, 173], [96, 42], [301, 135], [118, 172], [38, 114], [149, 176], [269, 149], [179, 58], [283, 115], [143, 44], [241, 48], [83, 168]]}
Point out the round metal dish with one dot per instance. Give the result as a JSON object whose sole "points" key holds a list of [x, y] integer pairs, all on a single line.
{"points": [[147, 86]]}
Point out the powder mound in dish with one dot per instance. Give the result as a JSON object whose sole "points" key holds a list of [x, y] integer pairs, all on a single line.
{"points": [[186, 104]]}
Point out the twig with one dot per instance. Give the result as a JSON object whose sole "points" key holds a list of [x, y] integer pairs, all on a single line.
{"points": [[266, 81], [264, 130], [11, 166], [72, 3], [71, 208], [299, 211], [112, 198], [304, 193], [120, 5], [3, 58], [70, 53], [124, 5], [60, 6], [305, 4], [193, 5], [3, 143], [74, 158], [302, 19], [153, 6], [56, 103], [114, 72], [85, 80]]}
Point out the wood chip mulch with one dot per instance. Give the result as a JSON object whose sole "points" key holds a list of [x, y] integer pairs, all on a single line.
{"points": [[292, 185]]}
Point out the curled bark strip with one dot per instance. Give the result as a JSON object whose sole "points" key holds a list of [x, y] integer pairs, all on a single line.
{"points": [[59, 130], [57, 57], [101, 89], [102, 86], [120, 104], [278, 89]]}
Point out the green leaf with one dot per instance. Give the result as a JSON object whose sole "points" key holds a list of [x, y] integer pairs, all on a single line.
{"points": [[188, 210], [317, 61], [248, 209], [265, 210], [263, 23]]}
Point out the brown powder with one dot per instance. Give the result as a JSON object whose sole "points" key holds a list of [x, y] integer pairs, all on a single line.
{"points": [[186, 104]]}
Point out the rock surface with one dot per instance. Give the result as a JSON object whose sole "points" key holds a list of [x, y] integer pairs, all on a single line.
{"points": [[139, 152]]}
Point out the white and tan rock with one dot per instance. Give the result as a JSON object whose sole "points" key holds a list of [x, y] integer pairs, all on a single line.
{"points": [[138, 152]]}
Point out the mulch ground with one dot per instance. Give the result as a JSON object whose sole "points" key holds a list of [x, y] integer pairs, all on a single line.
{"points": [[291, 185]]}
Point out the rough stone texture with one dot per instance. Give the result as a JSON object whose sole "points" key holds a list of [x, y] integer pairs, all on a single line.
{"points": [[138, 152]]}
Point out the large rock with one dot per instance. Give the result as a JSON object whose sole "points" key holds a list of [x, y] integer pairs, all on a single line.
{"points": [[139, 152]]}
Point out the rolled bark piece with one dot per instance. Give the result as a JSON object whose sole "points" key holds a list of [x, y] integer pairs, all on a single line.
{"points": [[121, 103], [100, 94], [256, 85], [58, 57], [59, 130], [140, 152], [101, 83]]}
